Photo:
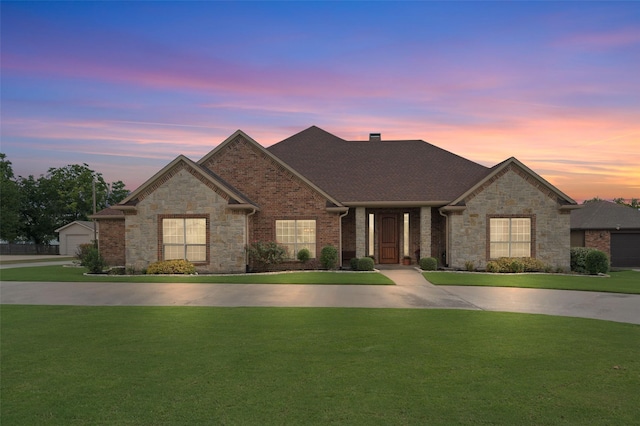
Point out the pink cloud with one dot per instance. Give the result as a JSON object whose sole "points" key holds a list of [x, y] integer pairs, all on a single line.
{"points": [[621, 37]]}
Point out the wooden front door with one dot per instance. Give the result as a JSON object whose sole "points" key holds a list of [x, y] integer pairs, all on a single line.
{"points": [[389, 238]]}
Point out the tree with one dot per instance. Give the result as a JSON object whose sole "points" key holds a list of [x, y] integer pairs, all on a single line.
{"points": [[633, 202], [117, 193], [37, 204], [594, 199], [9, 202], [73, 185], [62, 196]]}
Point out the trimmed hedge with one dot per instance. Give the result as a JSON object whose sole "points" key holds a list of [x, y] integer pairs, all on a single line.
{"points": [[354, 264], [329, 257], [365, 264], [428, 264], [304, 255], [176, 266], [516, 265], [598, 263]]}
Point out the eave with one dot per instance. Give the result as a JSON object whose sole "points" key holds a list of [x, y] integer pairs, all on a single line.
{"points": [[398, 204]]}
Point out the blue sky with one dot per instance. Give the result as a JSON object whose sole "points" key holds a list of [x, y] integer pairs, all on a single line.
{"points": [[127, 86]]}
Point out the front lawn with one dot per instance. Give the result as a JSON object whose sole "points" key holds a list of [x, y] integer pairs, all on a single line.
{"points": [[617, 282], [67, 274], [256, 366]]}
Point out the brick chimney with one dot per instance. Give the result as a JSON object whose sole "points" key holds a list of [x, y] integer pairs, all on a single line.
{"points": [[375, 137]]}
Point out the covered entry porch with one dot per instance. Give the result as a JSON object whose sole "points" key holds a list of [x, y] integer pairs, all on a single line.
{"points": [[391, 233]]}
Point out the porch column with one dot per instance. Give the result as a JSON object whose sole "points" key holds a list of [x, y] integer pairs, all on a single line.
{"points": [[425, 232], [361, 232]]}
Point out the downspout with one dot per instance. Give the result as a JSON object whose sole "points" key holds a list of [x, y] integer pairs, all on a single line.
{"points": [[340, 227], [446, 236], [246, 250]]}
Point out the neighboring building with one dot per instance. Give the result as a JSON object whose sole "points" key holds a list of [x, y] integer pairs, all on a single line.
{"points": [[73, 234], [381, 198], [610, 227]]}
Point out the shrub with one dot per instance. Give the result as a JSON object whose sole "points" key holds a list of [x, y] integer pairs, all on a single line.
{"points": [[534, 265], [82, 251], [93, 261], [176, 266], [354, 264], [116, 270], [516, 266], [493, 266], [579, 259], [597, 262], [469, 266], [329, 257], [428, 264], [365, 264], [304, 255], [263, 255]]}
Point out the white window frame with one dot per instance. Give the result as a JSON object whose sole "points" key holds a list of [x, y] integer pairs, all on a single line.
{"points": [[518, 235], [185, 240], [298, 236]]}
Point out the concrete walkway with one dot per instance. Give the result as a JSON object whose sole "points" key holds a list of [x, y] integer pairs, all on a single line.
{"points": [[411, 291]]}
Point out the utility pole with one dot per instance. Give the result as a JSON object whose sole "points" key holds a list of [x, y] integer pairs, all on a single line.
{"points": [[95, 231]]}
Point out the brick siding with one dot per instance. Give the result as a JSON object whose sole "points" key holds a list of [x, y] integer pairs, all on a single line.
{"points": [[279, 193], [598, 239], [112, 242]]}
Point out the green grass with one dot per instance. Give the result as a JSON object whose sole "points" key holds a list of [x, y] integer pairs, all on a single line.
{"points": [[35, 260], [66, 274], [256, 366], [617, 282]]}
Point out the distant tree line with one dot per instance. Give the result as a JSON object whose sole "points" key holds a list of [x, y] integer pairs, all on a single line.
{"points": [[632, 202], [31, 208]]}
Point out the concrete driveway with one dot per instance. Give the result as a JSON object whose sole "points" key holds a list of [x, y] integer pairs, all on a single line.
{"points": [[412, 291]]}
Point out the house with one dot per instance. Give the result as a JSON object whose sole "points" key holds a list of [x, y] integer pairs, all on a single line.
{"points": [[609, 227], [381, 198], [73, 234]]}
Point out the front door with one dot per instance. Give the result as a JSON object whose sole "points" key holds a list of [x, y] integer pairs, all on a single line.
{"points": [[389, 238]]}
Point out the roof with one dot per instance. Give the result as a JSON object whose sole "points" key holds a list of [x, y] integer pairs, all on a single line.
{"points": [[84, 223], [332, 202], [605, 215], [564, 200], [108, 213], [236, 198], [415, 171]]}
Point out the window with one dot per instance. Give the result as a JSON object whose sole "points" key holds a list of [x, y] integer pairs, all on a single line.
{"points": [[405, 235], [372, 227], [184, 238], [296, 235], [510, 237]]}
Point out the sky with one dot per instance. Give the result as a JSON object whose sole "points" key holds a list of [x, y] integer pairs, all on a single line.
{"points": [[125, 87]]}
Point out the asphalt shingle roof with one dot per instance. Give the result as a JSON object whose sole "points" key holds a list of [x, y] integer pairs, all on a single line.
{"points": [[378, 171], [605, 215]]}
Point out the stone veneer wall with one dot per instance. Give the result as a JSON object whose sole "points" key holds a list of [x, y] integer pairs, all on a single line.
{"points": [[512, 193], [598, 239], [111, 241], [185, 193], [280, 194]]}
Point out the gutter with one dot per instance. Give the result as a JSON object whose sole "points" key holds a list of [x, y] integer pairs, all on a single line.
{"points": [[446, 236], [340, 233], [246, 252], [374, 204]]}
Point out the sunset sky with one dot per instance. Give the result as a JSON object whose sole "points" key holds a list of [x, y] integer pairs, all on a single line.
{"points": [[126, 87]]}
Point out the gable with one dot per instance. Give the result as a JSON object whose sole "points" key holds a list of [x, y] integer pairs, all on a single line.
{"points": [[182, 165], [256, 171], [525, 175], [76, 226]]}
